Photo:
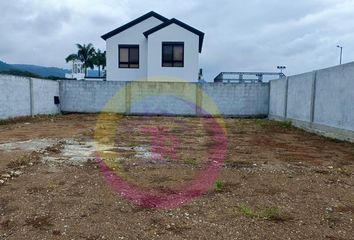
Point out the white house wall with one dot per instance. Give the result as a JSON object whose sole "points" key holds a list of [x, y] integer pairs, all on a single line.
{"points": [[132, 35], [173, 33]]}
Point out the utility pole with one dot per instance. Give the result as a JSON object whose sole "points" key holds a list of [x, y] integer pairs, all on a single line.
{"points": [[341, 54]]}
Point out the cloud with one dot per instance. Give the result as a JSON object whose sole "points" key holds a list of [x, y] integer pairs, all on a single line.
{"points": [[253, 35]]}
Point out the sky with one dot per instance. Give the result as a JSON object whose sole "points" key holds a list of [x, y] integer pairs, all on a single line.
{"points": [[252, 35]]}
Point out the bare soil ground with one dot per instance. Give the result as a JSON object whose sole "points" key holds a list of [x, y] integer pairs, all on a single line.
{"points": [[277, 182]]}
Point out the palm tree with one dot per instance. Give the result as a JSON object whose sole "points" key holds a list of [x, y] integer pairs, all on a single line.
{"points": [[100, 60], [71, 57], [85, 54], [105, 61]]}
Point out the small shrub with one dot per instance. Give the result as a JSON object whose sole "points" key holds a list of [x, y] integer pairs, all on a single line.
{"points": [[219, 186], [192, 162], [286, 124], [247, 211], [270, 213]]}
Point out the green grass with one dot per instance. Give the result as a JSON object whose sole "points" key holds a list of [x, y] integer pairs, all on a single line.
{"points": [[285, 124], [261, 122], [191, 162], [219, 186], [268, 213], [247, 212]]}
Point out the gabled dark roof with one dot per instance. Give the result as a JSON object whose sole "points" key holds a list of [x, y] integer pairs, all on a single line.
{"points": [[181, 24], [134, 22]]}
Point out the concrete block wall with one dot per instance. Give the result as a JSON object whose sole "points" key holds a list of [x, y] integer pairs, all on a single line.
{"points": [[92, 96], [14, 97], [165, 98], [334, 101], [236, 99], [299, 97], [43, 96], [277, 98], [320, 101], [20, 96]]}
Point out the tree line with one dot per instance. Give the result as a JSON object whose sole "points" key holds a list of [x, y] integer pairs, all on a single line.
{"points": [[89, 56]]}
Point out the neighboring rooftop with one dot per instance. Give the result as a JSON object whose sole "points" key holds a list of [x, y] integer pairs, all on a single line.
{"points": [[247, 77]]}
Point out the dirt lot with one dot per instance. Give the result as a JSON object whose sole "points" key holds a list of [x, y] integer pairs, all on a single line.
{"points": [[277, 182]]}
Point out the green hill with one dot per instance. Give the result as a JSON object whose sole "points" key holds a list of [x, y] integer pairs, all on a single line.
{"points": [[42, 71], [32, 70], [38, 71], [4, 66]]}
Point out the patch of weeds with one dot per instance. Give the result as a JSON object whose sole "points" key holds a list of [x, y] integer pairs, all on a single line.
{"points": [[268, 213], [134, 145], [219, 186], [344, 171], [285, 124], [271, 213], [247, 211], [25, 160], [191, 162], [260, 122]]}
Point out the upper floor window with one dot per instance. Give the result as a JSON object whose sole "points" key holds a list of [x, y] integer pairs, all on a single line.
{"points": [[172, 54], [129, 56]]}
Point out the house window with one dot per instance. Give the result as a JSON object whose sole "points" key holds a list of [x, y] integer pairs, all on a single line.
{"points": [[129, 56], [172, 54]]}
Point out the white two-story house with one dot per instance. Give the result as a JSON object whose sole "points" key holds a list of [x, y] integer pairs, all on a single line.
{"points": [[153, 48]]}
